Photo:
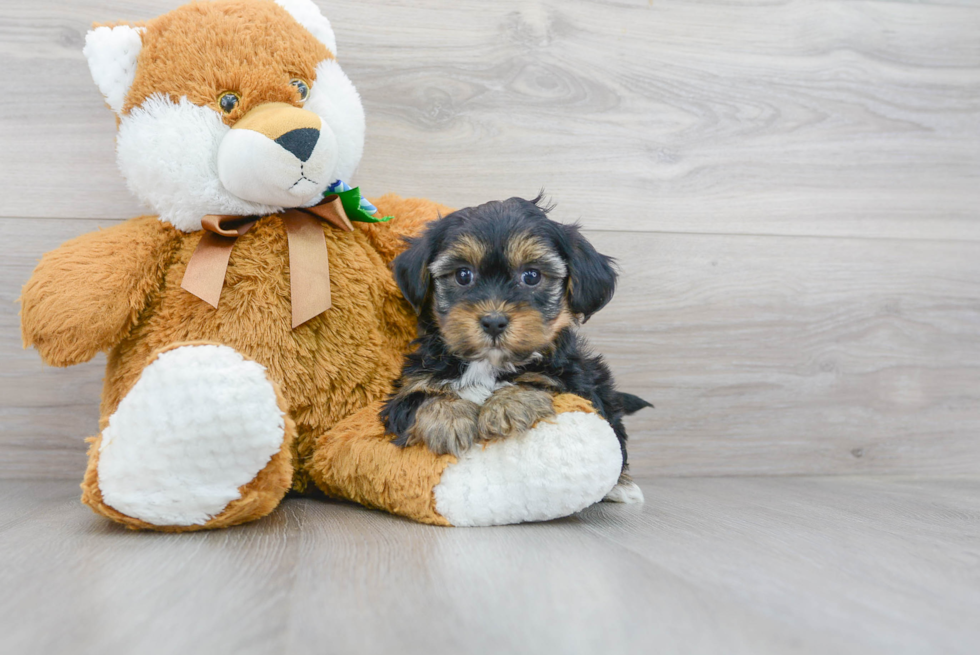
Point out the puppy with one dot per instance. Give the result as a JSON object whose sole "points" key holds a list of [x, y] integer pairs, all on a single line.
{"points": [[499, 290]]}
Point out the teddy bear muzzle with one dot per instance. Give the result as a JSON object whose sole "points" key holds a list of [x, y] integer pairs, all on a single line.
{"points": [[278, 154]]}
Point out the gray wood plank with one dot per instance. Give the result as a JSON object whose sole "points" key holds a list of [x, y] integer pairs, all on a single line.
{"points": [[811, 118], [764, 355], [735, 565], [118, 591], [884, 565]]}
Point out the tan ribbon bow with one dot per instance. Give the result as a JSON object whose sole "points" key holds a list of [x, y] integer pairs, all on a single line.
{"points": [[309, 271]]}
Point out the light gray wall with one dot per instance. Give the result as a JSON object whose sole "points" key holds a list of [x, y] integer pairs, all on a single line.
{"points": [[791, 189]]}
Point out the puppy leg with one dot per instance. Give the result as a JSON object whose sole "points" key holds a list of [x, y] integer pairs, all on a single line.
{"points": [[513, 410], [626, 491], [446, 424]]}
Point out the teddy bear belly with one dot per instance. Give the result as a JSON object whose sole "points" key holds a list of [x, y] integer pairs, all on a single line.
{"points": [[327, 368]]}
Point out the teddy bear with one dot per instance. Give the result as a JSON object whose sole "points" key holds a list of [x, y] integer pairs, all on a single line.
{"points": [[251, 323]]}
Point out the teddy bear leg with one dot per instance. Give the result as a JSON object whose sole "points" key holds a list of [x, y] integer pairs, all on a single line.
{"points": [[202, 440], [559, 467]]}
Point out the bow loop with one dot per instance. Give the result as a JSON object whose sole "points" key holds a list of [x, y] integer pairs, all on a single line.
{"points": [[309, 270]]}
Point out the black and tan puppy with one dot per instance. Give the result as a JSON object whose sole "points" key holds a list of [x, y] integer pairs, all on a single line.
{"points": [[499, 290]]}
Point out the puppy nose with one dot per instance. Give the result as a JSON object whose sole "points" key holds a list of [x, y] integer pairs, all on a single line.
{"points": [[494, 324], [300, 142]]}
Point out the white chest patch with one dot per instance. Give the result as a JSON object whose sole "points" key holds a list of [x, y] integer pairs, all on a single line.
{"points": [[479, 381]]}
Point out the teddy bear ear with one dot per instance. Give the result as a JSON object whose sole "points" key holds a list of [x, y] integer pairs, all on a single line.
{"points": [[308, 15], [111, 53]]}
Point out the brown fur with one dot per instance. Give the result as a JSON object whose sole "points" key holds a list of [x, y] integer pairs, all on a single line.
{"points": [[538, 380], [446, 424], [119, 290], [466, 249], [183, 50], [461, 329], [273, 119], [526, 331], [258, 497], [356, 460], [512, 410], [523, 248]]}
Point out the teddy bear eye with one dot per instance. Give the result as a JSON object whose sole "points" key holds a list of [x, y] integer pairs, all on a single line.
{"points": [[228, 101], [302, 87]]}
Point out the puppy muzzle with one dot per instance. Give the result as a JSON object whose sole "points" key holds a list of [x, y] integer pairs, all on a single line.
{"points": [[278, 154]]}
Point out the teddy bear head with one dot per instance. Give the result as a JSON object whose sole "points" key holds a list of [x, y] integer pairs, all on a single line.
{"points": [[228, 107]]}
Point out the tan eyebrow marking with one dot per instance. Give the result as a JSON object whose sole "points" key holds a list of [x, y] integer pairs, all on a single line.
{"points": [[522, 248], [466, 248]]}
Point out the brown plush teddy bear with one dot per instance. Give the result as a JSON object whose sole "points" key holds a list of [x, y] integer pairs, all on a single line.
{"points": [[251, 327]]}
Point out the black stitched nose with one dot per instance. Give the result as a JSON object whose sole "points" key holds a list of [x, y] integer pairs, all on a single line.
{"points": [[494, 324], [300, 142]]}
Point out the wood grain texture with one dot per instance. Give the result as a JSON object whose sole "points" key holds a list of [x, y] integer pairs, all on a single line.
{"points": [[763, 355], [811, 118], [733, 565]]}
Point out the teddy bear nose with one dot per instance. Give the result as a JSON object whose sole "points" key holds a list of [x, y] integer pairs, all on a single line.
{"points": [[494, 324], [300, 142]]}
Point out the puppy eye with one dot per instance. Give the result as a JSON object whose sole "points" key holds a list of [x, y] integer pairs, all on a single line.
{"points": [[531, 277], [228, 101], [302, 87], [464, 276]]}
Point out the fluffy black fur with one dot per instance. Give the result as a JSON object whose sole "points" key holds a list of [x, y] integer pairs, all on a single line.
{"points": [[565, 364]]}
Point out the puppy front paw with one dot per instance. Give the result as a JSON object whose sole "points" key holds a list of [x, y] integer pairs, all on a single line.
{"points": [[513, 410], [446, 424]]}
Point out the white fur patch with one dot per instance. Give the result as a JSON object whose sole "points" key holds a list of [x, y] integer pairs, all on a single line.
{"points": [[111, 53], [335, 100], [168, 153], [257, 169], [557, 468], [201, 422], [478, 381], [628, 493], [309, 16]]}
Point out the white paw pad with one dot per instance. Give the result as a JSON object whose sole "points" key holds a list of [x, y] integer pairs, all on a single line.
{"points": [[201, 422], [555, 469], [628, 493]]}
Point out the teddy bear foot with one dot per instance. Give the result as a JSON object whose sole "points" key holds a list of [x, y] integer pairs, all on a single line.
{"points": [[200, 441], [559, 467]]}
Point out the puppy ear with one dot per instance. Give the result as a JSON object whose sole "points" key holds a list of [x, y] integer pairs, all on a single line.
{"points": [[591, 276], [412, 271]]}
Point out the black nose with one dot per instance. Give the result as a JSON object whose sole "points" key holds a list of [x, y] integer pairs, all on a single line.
{"points": [[494, 324], [300, 141]]}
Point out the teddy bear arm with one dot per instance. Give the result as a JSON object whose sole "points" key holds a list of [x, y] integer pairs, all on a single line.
{"points": [[85, 295]]}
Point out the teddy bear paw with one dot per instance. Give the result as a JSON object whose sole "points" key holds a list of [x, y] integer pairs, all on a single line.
{"points": [[559, 467], [201, 422]]}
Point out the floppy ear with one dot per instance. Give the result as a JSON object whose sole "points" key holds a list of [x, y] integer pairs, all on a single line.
{"points": [[111, 53], [412, 271], [591, 276]]}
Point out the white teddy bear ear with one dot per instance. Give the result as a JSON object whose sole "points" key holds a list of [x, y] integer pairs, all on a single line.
{"points": [[111, 53], [308, 15]]}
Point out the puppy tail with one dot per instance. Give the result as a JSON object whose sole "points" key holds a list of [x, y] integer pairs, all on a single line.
{"points": [[631, 403]]}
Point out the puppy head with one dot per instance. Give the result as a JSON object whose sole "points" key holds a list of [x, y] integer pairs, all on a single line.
{"points": [[502, 279], [228, 107]]}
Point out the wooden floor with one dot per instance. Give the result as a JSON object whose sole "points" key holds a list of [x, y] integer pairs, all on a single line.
{"points": [[709, 565]]}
